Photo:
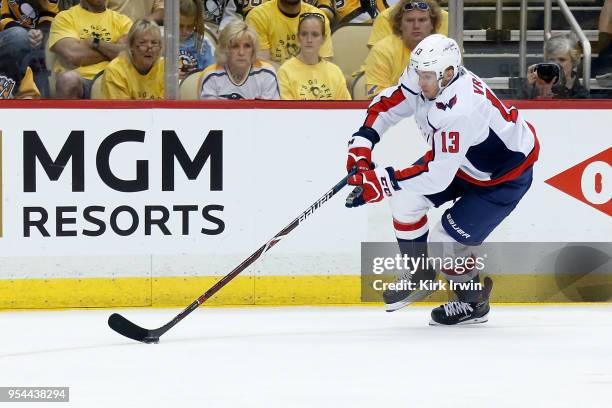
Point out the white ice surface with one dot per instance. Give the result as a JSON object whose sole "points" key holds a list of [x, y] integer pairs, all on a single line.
{"points": [[534, 356]]}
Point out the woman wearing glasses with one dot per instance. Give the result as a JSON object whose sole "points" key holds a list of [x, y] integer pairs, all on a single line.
{"points": [[308, 76], [411, 21], [138, 72]]}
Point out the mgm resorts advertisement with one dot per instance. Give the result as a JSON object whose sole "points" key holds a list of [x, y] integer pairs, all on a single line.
{"points": [[144, 207]]}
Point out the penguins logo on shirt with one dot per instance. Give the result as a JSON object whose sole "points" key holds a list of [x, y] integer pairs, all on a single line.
{"points": [[7, 86], [233, 96], [28, 15], [293, 49], [24, 13], [315, 90], [187, 61], [213, 11], [95, 31], [289, 47]]}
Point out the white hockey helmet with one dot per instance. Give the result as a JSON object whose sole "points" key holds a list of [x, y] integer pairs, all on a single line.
{"points": [[436, 53]]}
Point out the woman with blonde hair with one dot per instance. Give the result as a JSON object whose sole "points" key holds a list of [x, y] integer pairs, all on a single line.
{"points": [[308, 76], [238, 74], [195, 51], [138, 72]]}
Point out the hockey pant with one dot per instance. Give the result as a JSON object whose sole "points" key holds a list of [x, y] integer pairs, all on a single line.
{"points": [[475, 213]]}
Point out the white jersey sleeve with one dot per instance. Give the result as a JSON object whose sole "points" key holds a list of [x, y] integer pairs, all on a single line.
{"points": [[389, 107]]}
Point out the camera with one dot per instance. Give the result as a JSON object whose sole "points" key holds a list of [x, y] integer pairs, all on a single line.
{"points": [[548, 71]]}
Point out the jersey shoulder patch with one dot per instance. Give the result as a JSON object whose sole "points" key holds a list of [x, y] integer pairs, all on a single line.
{"points": [[447, 111], [447, 105]]}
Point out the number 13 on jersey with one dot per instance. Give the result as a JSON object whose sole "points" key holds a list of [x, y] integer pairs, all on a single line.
{"points": [[450, 142]]}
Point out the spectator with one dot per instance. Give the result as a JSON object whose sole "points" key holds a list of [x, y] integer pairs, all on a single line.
{"points": [[24, 30], [16, 80], [387, 60], [85, 37], [66, 4], [563, 50], [327, 7], [602, 65], [195, 51], [276, 24], [23, 25], [136, 9], [138, 72], [382, 26], [357, 11], [214, 12], [219, 13], [308, 76], [239, 9], [238, 74]]}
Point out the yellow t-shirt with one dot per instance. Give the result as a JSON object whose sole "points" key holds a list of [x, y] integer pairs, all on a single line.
{"points": [[278, 33], [121, 80], [350, 11], [385, 64], [81, 24], [322, 81], [135, 9], [248, 5], [382, 26], [27, 87]]}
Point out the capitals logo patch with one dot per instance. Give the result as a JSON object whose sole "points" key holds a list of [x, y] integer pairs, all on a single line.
{"points": [[449, 105]]}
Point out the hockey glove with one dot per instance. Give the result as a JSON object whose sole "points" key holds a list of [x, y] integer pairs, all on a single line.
{"points": [[360, 149], [360, 157], [372, 186]]}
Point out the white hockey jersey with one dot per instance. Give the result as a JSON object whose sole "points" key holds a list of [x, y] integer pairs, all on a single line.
{"points": [[260, 83], [472, 134]]}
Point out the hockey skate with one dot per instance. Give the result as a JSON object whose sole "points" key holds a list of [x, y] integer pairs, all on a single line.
{"points": [[396, 299], [458, 313]]}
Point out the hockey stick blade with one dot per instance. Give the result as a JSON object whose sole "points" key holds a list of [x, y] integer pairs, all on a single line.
{"points": [[130, 330]]}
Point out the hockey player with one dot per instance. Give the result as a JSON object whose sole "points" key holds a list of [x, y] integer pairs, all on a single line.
{"points": [[482, 154]]}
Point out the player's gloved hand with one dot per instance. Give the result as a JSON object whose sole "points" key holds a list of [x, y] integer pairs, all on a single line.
{"points": [[372, 186], [360, 149], [360, 157]]}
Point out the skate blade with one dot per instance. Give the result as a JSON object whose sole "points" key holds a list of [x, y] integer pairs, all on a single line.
{"points": [[413, 297], [477, 320]]}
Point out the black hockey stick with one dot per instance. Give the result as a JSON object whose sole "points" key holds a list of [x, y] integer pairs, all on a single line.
{"points": [[128, 329]]}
